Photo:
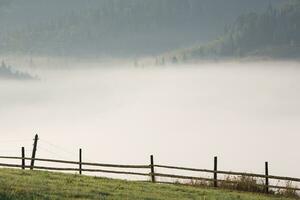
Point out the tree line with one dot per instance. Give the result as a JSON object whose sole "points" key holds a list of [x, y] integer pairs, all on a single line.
{"points": [[117, 26], [274, 33]]}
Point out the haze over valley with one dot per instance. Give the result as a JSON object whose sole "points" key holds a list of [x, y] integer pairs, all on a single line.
{"points": [[124, 79]]}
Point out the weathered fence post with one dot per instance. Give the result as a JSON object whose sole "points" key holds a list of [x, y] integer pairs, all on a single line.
{"points": [[215, 171], [267, 178], [36, 138], [23, 158], [80, 161], [152, 169]]}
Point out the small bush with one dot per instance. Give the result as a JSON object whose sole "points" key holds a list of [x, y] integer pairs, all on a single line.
{"points": [[247, 184], [243, 183], [289, 192]]}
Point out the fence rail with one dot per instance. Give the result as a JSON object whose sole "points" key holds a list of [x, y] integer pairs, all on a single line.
{"points": [[72, 169], [77, 163], [151, 168], [231, 173], [151, 174]]}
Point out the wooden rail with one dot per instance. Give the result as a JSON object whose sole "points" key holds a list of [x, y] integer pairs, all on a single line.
{"points": [[73, 169], [231, 173], [81, 167], [77, 163], [214, 180]]}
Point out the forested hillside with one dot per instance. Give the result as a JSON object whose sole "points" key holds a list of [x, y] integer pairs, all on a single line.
{"points": [[115, 27], [7, 72], [275, 33]]}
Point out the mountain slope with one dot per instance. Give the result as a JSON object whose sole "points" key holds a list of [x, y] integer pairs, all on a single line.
{"points": [[115, 27], [274, 34], [7, 72]]}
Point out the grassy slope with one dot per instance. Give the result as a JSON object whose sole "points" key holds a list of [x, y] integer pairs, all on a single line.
{"points": [[17, 184]]}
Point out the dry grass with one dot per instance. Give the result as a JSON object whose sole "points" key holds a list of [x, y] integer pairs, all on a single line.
{"points": [[289, 192], [248, 184]]}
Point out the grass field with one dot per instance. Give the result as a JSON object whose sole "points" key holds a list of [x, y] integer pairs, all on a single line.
{"points": [[25, 185]]}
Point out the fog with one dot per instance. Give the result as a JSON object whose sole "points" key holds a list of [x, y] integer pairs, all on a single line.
{"points": [[244, 112]]}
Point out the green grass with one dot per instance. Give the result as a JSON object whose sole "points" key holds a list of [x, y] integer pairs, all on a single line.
{"points": [[25, 185]]}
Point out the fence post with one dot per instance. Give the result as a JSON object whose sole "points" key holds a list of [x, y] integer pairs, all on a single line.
{"points": [[36, 138], [80, 161], [23, 157], [152, 169], [215, 171], [267, 178]]}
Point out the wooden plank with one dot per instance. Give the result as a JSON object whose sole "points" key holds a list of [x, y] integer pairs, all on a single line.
{"points": [[80, 161], [152, 169], [75, 169], [184, 168], [229, 173], [116, 172], [189, 177], [267, 179], [23, 156], [83, 163], [215, 171], [36, 138]]}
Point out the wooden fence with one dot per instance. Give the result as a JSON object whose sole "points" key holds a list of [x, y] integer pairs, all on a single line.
{"points": [[81, 167]]}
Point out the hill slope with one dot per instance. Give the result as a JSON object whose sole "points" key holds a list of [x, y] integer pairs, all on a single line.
{"points": [[7, 72], [25, 185], [115, 27], [274, 33]]}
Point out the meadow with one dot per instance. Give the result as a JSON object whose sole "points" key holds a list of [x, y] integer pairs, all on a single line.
{"points": [[35, 185]]}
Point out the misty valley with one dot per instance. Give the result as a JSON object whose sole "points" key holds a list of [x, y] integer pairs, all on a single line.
{"points": [[183, 80], [123, 110]]}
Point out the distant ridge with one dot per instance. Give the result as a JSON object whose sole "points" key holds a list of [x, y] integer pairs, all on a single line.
{"points": [[7, 72], [272, 34], [115, 27]]}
